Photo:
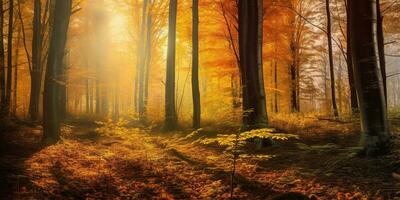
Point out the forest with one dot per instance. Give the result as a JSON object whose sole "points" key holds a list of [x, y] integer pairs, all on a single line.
{"points": [[200, 99]]}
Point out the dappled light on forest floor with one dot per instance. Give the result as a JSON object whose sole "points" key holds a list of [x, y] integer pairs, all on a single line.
{"points": [[115, 161]]}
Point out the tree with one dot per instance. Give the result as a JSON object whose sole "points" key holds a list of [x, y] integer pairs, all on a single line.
{"points": [[9, 56], [381, 46], [2, 62], [254, 103], [299, 26], [171, 120], [36, 74], [15, 86], [331, 66], [368, 79], [195, 66], [349, 60], [149, 43], [141, 61], [51, 126]]}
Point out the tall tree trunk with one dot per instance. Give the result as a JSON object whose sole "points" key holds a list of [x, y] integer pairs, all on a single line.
{"points": [[171, 119], [353, 93], [260, 57], [116, 103], [148, 59], [368, 79], [195, 66], [141, 62], [2, 62], [16, 58], [36, 75], [254, 111], [381, 46], [276, 110], [87, 88], [97, 88], [51, 125], [293, 77], [275, 78], [331, 66], [9, 55]]}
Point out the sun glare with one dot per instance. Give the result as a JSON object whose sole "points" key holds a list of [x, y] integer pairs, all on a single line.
{"points": [[119, 27]]}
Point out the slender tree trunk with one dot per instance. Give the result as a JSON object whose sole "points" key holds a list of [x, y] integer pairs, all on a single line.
{"points": [[9, 55], [16, 58], [275, 79], [116, 103], [339, 85], [51, 125], [141, 62], [353, 93], [331, 66], [87, 85], [148, 59], [293, 77], [171, 119], [260, 57], [98, 98], [276, 87], [254, 111], [2, 63], [36, 76], [195, 66], [368, 79], [381, 46]]}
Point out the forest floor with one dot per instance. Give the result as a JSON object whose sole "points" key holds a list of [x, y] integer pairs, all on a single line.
{"points": [[134, 163]]}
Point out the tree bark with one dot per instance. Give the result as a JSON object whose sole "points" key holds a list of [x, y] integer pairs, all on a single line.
{"points": [[148, 59], [381, 46], [368, 78], [16, 58], [254, 111], [36, 75], [353, 93], [331, 66], [51, 125], [171, 119], [141, 62], [195, 66], [9, 56], [293, 77], [2, 63]]}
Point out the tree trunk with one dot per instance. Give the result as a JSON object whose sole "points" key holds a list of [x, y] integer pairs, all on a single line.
{"points": [[195, 66], [293, 77], [171, 120], [36, 75], [9, 55], [141, 62], [368, 79], [87, 88], [2, 63], [254, 111], [16, 58], [51, 125], [276, 110], [381, 46], [331, 66], [148, 60], [353, 93]]}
